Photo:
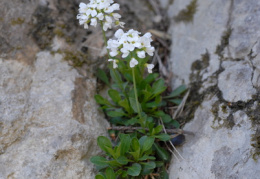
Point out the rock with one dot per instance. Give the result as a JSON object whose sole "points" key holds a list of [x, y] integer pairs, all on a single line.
{"points": [[49, 119], [215, 49], [214, 151], [236, 75], [197, 33]]}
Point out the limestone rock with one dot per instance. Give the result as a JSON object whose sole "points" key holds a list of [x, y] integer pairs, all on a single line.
{"points": [[216, 152], [50, 121], [215, 49]]}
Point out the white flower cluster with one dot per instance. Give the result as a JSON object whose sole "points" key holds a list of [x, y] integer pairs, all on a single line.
{"points": [[127, 42], [102, 10]]}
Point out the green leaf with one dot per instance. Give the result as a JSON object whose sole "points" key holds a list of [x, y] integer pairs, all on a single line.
{"points": [[133, 104], [128, 76], [131, 121], [161, 152], [100, 100], [102, 76], [134, 170], [110, 151], [148, 143], [175, 123], [99, 176], [151, 77], [149, 165], [114, 163], [135, 144], [159, 164], [164, 174], [122, 160], [147, 95], [159, 114], [119, 172], [116, 113], [158, 87], [153, 105], [166, 118], [163, 137], [125, 142], [136, 148], [114, 95], [146, 157], [103, 143], [124, 103], [110, 174], [176, 101], [124, 174], [157, 130], [101, 162], [116, 76], [176, 92]]}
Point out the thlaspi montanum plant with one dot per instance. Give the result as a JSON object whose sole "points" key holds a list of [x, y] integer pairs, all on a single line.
{"points": [[135, 109]]}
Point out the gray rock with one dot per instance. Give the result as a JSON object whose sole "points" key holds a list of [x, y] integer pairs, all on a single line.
{"points": [[196, 33], [216, 152], [46, 130], [226, 122], [235, 81]]}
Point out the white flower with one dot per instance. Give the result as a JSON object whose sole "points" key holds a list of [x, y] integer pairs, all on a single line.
{"points": [[116, 16], [119, 33], [100, 16], [99, 10], [114, 62], [113, 53], [121, 24], [108, 23], [141, 54], [129, 41], [93, 22], [149, 50], [133, 62], [149, 67]]}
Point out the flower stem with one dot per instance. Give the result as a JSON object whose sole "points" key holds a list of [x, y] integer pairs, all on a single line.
{"points": [[136, 98], [104, 37]]}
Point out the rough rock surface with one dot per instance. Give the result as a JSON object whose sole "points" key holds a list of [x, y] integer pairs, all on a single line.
{"points": [[215, 49], [49, 119]]}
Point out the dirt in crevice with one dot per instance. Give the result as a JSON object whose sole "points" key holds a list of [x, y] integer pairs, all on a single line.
{"points": [[186, 15], [78, 99]]}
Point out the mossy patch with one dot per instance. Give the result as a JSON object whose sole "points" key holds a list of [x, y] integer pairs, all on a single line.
{"points": [[74, 58], [224, 42], [195, 98], [255, 142], [187, 14], [17, 21], [42, 30]]}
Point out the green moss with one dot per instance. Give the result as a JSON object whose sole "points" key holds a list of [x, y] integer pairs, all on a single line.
{"points": [[224, 42], [17, 21], [256, 144], [58, 32], [42, 31], [187, 14], [171, 2], [224, 109], [62, 26], [77, 58]]}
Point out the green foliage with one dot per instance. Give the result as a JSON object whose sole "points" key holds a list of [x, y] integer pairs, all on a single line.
{"points": [[139, 153], [130, 156]]}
